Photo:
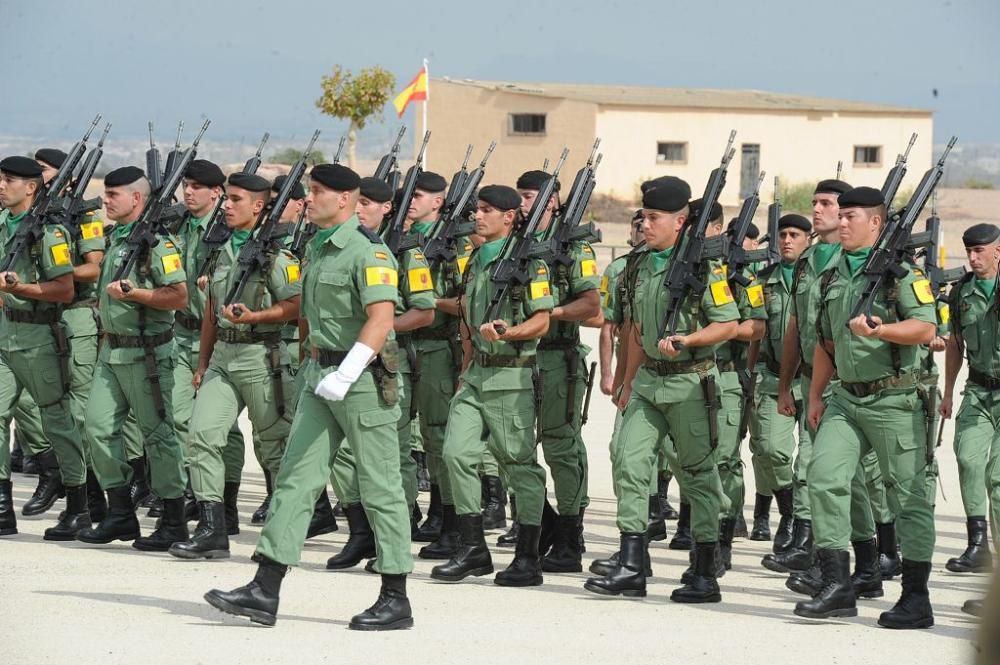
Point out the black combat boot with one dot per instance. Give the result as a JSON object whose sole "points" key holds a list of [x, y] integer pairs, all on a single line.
{"points": [[139, 486], [867, 577], [96, 501], [799, 556], [662, 485], [656, 526], [603, 567], [120, 522], [548, 529], [783, 538], [209, 540], [258, 600], [29, 466], [703, 587], [50, 487], [761, 518], [423, 474], [495, 510], [16, 455], [914, 607], [231, 492], [682, 537], [390, 612], [8, 518], [415, 517], [727, 526], [836, 598], [360, 543], [322, 520], [430, 530], [808, 583], [888, 557], [260, 515], [741, 527], [509, 539], [170, 528], [192, 513], [565, 555], [526, 568], [687, 577], [447, 543], [628, 576], [74, 518], [153, 505], [472, 557], [976, 557]]}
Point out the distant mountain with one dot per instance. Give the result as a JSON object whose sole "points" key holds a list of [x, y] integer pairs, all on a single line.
{"points": [[972, 165]]}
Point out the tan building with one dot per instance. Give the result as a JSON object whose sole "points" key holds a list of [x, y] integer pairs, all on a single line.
{"points": [[649, 132]]}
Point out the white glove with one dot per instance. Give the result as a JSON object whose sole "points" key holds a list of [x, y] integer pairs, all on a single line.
{"points": [[335, 385]]}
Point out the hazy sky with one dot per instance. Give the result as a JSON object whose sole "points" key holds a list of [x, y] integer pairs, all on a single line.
{"points": [[252, 65]]}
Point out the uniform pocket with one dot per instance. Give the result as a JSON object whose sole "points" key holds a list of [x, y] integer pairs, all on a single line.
{"points": [[376, 417], [333, 295]]}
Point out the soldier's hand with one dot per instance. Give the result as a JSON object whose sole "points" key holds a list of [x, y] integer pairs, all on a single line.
{"points": [[115, 290], [946, 407], [816, 409], [624, 398], [202, 282], [489, 332], [667, 348], [938, 344], [239, 313], [859, 326], [607, 384], [9, 281], [197, 378], [786, 404]]}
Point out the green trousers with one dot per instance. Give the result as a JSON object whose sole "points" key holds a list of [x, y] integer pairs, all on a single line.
{"points": [[665, 458], [37, 371], [645, 427], [976, 427], [772, 438], [212, 450], [728, 454], [893, 426], [318, 429], [504, 420], [117, 389], [344, 477], [803, 456], [433, 390], [29, 425], [561, 437]]}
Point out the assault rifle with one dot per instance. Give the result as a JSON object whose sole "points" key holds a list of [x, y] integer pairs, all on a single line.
{"points": [[340, 149], [893, 247], [440, 246], [390, 160], [737, 258], [32, 227], [927, 245], [565, 228], [260, 248], [174, 155], [154, 163], [217, 234], [895, 177], [458, 181], [72, 207], [773, 217], [146, 229], [512, 266], [392, 230]]}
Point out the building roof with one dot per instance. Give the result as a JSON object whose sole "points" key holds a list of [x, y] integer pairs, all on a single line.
{"points": [[621, 95]]}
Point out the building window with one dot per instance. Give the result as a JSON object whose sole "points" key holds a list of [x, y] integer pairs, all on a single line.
{"points": [[671, 153], [867, 155], [527, 124]]}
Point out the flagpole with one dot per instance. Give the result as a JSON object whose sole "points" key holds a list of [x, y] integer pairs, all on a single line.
{"points": [[427, 99]]}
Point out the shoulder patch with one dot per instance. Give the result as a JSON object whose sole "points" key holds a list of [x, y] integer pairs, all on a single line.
{"points": [[718, 272], [587, 249], [168, 244], [755, 294], [588, 268], [721, 295], [922, 290], [382, 255], [91, 230], [292, 273], [59, 234], [60, 254], [371, 235]]}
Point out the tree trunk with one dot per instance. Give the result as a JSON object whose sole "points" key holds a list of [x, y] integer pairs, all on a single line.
{"points": [[352, 144]]}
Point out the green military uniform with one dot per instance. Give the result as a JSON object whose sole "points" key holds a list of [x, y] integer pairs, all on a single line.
{"points": [[496, 401], [416, 291], [241, 374], [667, 399], [28, 356], [347, 269], [121, 380], [875, 408]]}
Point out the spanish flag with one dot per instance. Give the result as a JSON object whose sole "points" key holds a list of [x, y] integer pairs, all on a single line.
{"points": [[416, 91]]}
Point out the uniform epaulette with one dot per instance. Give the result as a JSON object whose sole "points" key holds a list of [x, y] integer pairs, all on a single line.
{"points": [[766, 272], [371, 235]]}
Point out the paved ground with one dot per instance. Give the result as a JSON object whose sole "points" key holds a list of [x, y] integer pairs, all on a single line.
{"points": [[70, 603]]}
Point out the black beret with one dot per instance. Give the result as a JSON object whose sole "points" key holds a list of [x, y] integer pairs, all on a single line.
{"points": [[298, 191], [831, 187], [337, 177], [981, 234], [251, 183], [126, 175], [696, 210], [500, 197], [861, 197], [668, 193], [23, 167], [534, 180], [54, 157], [205, 173], [428, 181], [376, 189], [752, 231], [649, 184], [794, 221]]}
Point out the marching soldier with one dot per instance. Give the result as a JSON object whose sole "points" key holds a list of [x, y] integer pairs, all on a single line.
{"points": [[243, 363], [874, 407], [672, 394], [349, 294], [135, 371]]}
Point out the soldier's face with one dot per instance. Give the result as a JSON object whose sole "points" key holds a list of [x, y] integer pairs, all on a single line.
{"points": [[120, 203], [791, 243], [528, 197], [492, 223], [371, 212], [13, 190], [291, 212], [713, 229], [825, 213], [983, 259], [424, 205], [325, 204], [48, 171], [660, 228], [241, 208], [199, 198], [857, 228]]}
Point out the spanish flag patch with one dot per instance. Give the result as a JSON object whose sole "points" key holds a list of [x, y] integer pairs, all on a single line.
{"points": [[540, 290], [588, 268], [91, 230], [292, 273], [60, 254], [420, 279], [755, 294], [721, 295], [171, 263], [379, 276], [382, 256], [922, 290]]}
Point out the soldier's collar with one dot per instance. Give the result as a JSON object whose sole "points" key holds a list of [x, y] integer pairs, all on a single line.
{"points": [[342, 232]]}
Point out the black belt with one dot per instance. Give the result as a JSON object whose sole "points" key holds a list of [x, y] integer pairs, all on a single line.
{"points": [[44, 318], [486, 360], [559, 344], [327, 357], [437, 333], [234, 336], [867, 388], [136, 342], [668, 368], [186, 321], [983, 379], [726, 365]]}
